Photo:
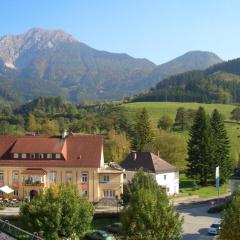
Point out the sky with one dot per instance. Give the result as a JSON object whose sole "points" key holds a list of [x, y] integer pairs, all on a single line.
{"points": [[158, 30]]}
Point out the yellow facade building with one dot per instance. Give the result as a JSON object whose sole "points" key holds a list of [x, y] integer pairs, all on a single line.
{"points": [[29, 164]]}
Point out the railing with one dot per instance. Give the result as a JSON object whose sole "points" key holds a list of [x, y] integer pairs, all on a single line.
{"points": [[29, 183], [17, 232]]}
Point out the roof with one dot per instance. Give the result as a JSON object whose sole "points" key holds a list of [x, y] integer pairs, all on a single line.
{"points": [[236, 175], [148, 161], [77, 150]]}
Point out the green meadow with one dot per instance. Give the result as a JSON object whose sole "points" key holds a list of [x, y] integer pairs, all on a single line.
{"points": [[157, 109]]}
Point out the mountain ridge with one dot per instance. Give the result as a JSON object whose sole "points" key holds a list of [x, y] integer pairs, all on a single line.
{"points": [[57, 59]]}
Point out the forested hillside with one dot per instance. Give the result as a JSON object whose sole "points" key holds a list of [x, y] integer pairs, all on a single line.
{"points": [[219, 83]]}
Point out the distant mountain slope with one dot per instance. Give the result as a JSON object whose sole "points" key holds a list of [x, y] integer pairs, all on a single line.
{"points": [[194, 60], [219, 83], [49, 62]]}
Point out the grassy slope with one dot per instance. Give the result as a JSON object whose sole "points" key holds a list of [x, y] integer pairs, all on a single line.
{"points": [[157, 109]]}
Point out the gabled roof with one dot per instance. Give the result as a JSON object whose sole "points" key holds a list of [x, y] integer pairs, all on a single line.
{"points": [[148, 161], [78, 150]]}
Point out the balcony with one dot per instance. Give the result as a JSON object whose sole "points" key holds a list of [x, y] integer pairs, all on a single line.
{"points": [[28, 182]]}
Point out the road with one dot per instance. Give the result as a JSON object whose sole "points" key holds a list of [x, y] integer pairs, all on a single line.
{"points": [[197, 221]]}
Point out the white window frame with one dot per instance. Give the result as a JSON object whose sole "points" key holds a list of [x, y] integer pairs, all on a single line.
{"points": [[32, 155], [49, 156], [41, 155], [24, 155], [57, 155], [15, 155], [67, 174], [15, 192], [109, 193], [165, 177], [1, 176], [84, 177], [52, 176], [14, 178], [85, 193], [106, 178]]}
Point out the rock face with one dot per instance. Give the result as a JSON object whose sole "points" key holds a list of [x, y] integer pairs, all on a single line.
{"points": [[13, 47], [51, 62]]}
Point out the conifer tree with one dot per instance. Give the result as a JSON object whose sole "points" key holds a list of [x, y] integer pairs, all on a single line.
{"points": [[200, 148], [143, 130], [221, 146]]}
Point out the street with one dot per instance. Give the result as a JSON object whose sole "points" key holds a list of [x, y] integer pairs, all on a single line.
{"points": [[197, 221]]}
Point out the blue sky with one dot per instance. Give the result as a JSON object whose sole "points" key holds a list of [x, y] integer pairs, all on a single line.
{"points": [[158, 30]]}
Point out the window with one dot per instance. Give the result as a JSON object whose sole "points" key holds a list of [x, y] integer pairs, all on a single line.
{"points": [[165, 177], [106, 178], [52, 176], [49, 155], [109, 193], [32, 155], [124, 176], [15, 176], [24, 155], [68, 176], [1, 176], [41, 155], [57, 156], [15, 155], [85, 193], [84, 177], [15, 193]]}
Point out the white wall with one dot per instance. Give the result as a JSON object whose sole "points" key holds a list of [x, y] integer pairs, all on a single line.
{"points": [[170, 181]]}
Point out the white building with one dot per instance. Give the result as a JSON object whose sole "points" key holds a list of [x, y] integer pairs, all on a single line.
{"points": [[166, 174]]}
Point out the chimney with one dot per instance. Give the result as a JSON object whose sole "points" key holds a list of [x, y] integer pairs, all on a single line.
{"points": [[134, 155], [64, 134]]}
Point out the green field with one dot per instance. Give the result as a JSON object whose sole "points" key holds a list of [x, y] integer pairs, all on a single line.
{"points": [[157, 109]]}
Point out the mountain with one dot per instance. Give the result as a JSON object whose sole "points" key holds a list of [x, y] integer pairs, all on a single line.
{"points": [[219, 83], [193, 60], [52, 62]]}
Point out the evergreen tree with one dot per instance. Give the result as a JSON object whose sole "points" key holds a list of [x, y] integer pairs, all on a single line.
{"points": [[143, 131], [181, 119], [165, 123], [221, 145], [200, 148]]}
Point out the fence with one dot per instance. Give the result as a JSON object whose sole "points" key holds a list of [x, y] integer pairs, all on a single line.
{"points": [[16, 232]]}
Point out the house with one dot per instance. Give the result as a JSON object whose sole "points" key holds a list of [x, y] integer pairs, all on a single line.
{"points": [[167, 175], [235, 180], [29, 164]]}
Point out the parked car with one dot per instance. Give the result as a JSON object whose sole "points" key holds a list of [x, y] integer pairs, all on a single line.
{"points": [[215, 228], [100, 235], [114, 228]]}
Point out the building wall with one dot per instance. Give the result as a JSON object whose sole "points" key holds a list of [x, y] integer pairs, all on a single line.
{"points": [[93, 186], [170, 181]]}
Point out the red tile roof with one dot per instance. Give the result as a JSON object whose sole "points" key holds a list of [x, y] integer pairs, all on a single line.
{"points": [[78, 150], [148, 161]]}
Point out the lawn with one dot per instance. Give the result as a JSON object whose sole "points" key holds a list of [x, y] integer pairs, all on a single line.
{"points": [[157, 109], [187, 188]]}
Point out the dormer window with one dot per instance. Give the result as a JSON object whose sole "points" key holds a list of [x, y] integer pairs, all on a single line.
{"points": [[15, 155], [41, 155], [49, 156], [58, 156], [24, 155], [32, 155]]}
